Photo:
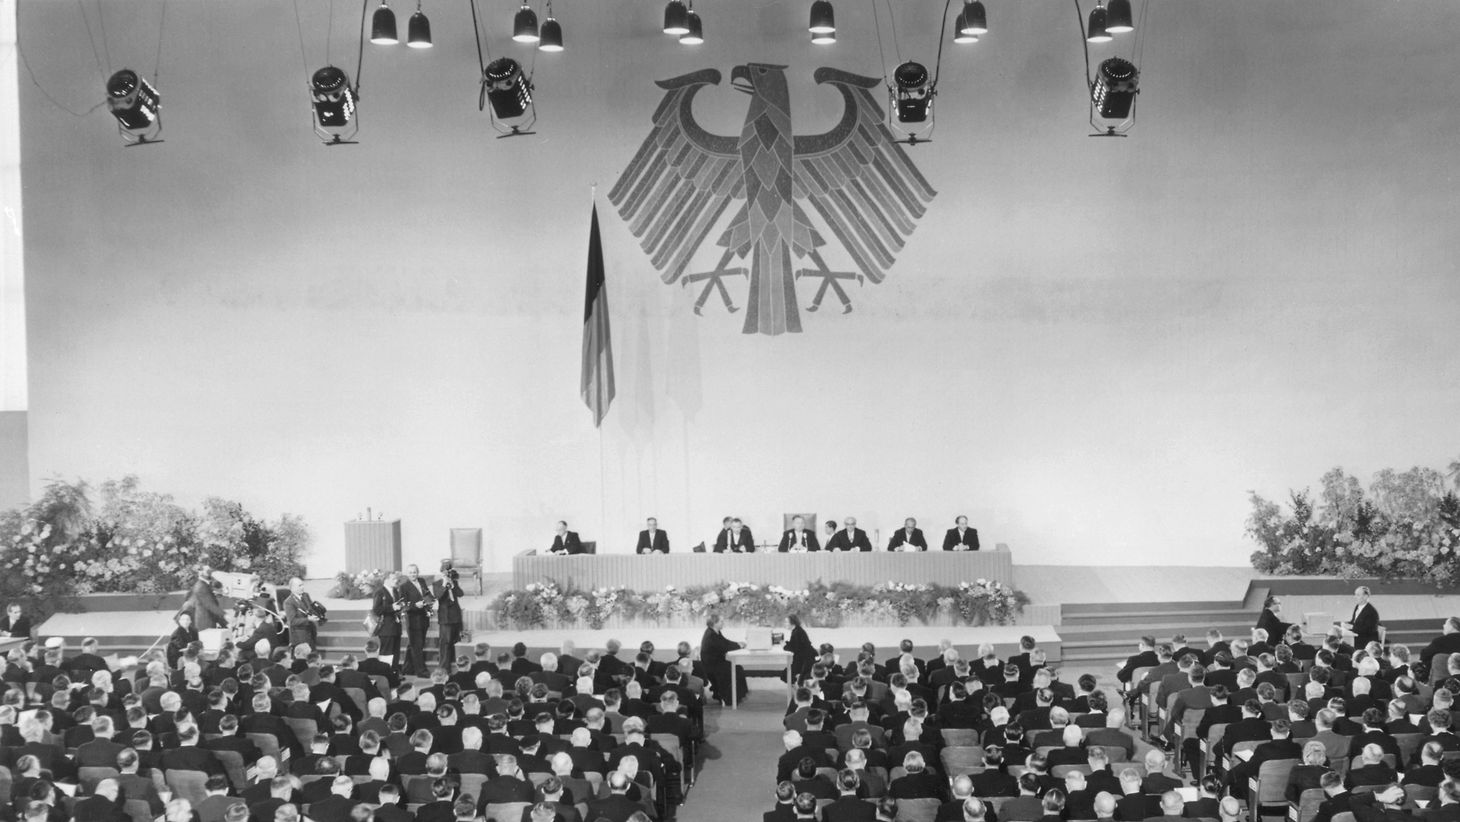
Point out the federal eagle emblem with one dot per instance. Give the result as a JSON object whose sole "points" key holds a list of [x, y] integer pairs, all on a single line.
{"points": [[855, 178]]}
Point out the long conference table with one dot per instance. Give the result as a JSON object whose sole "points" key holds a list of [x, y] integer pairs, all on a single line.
{"points": [[654, 571]]}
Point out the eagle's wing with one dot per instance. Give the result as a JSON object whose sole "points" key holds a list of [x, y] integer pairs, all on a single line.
{"points": [[681, 179], [860, 181]]}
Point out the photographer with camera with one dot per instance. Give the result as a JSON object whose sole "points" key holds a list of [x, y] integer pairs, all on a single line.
{"points": [[447, 590]]}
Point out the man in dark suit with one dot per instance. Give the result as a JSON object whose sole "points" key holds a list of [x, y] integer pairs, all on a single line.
{"points": [[1280, 747], [187, 756], [1271, 622], [1365, 620], [337, 806], [847, 807], [299, 616], [652, 540], [102, 806], [960, 537], [414, 593], [565, 541], [735, 538], [506, 786], [849, 538], [785, 809], [1144, 657], [1448, 642], [616, 807], [797, 539], [448, 594], [908, 538]]}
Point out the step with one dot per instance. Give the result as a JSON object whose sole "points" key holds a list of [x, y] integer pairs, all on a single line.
{"points": [[1137, 618], [1148, 607]]}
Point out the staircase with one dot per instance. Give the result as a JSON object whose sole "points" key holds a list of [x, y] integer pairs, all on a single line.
{"points": [[1097, 636]]}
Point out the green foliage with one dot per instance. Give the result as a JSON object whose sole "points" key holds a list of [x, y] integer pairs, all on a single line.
{"points": [[1406, 525], [554, 604], [133, 540]]}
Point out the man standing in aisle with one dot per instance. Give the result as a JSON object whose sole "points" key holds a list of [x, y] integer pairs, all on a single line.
{"points": [[387, 618], [652, 540], [447, 591], [908, 538], [960, 537], [797, 539], [565, 541], [418, 620], [850, 538]]}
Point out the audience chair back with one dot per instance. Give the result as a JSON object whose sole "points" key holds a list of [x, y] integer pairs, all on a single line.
{"points": [[188, 785]]}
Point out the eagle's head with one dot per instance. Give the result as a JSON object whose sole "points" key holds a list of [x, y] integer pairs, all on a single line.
{"points": [[762, 79]]}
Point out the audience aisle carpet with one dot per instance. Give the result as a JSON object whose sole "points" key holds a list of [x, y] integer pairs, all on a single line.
{"points": [[737, 780]]}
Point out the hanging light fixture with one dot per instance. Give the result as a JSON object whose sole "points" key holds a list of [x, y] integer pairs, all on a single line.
{"points": [[1098, 33], [550, 38], [695, 33], [961, 34], [136, 105], [1118, 18], [418, 33], [823, 18], [524, 25], [1116, 85], [676, 18], [382, 26], [334, 105], [914, 92], [975, 19]]}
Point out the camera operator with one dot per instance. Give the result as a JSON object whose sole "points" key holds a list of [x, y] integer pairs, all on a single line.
{"points": [[447, 590]]}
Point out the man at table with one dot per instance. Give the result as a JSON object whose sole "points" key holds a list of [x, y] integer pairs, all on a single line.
{"points": [[830, 528], [908, 538], [960, 537], [565, 541], [735, 538], [850, 538], [652, 540], [797, 539]]}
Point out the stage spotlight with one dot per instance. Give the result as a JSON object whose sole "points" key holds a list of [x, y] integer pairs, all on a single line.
{"points": [[1118, 17], [334, 106], [824, 39], [975, 19], [418, 33], [914, 92], [961, 34], [1098, 33], [696, 29], [136, 105], [510, 94], [676, 18], [382, 26], [823, 18], [524, 25], [551, 36], [1114, 93]]}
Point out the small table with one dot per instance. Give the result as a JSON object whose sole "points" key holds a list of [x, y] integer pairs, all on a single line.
{"points": [[768, 659]]}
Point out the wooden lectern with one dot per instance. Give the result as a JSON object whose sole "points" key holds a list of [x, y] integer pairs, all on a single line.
{"points": [[371, 544]]}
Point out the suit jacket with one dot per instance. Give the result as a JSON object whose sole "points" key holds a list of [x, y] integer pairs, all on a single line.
{"points": [[99, 809], [413, 594], [967, 541], [192, 758], [332, 809], [807, 540], [1275, 627], [296, 614], [742, 543], [614, 808], [854, 539], [382, 606], [1366, 624], [448, 601], [900, 537], [659, 544], [566, 544], [848, 809]]}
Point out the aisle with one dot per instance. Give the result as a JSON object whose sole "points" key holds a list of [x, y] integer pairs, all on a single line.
{"points": [[737, 782]]}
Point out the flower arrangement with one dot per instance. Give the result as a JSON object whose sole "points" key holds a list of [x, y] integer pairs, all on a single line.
{"points": [[357, 586], [1407, 525], [135, 541], [555, 604]]}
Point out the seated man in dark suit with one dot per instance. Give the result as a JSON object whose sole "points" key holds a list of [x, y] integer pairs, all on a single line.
{"points": [[797, 539], [616, 807], [337, 806], [1133, 804], [785, 809], [735, 538], [908, 538], [847, 807], [1280, 747], [565, 542], [919, 783], [960, 537], [850, 538], [652, 540], [102, 806], [188, 756], [507, 785]]}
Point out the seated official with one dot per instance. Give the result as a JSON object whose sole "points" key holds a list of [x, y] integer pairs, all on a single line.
{"points": [[652, 540], [850, 538], [797, 539], [960, 537], [908, 538], [565, 542], [735, 538]]}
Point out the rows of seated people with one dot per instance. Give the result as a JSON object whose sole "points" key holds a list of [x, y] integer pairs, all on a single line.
{"points": [[285, 737]]}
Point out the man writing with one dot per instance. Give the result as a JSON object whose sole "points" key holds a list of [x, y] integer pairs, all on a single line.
{"points": [[797, 539], [850, 538], [652, 540], [908, 538], [564, 541], [960, 537]]}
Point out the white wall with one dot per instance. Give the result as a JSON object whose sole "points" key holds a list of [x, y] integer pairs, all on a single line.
{"points": [[1094, 348]]}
